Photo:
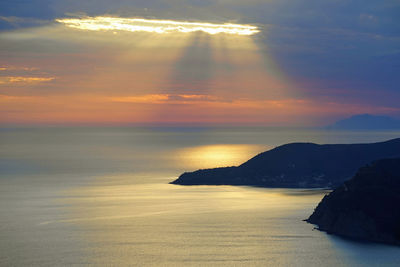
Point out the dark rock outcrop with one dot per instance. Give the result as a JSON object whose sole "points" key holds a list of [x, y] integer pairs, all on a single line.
{"points": [[367, 207], [297, 165]]}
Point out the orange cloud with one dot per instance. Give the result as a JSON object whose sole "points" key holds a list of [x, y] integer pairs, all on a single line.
{"points": [[164, 98], [22, 79], [4, 68], [149, 99]]}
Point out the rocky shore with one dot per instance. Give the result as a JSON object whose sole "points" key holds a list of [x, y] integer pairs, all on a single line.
{"points": [[367, 207]]}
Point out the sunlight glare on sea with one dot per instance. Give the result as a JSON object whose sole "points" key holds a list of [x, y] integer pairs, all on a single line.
{"points": [[101, 196]]}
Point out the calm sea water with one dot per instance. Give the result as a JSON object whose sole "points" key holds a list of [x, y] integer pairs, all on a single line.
{"points": [[100, 196]]}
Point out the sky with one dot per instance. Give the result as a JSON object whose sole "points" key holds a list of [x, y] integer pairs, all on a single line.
{"points": [[282, 63]]}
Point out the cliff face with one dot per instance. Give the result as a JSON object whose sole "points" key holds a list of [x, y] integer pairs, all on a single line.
{"points": [[297, 165], [367, 207]]}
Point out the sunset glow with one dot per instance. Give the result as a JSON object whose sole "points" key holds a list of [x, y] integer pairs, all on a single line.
{"points": [[108, 68]]}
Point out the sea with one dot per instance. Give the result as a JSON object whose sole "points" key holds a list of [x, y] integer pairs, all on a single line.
{"points": [[100, 196]]}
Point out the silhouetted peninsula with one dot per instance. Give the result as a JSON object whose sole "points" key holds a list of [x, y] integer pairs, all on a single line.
{"points": [[297, 165], [367, 207], [366, 122]]}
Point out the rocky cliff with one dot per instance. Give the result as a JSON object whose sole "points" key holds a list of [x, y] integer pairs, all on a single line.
{"points": [[367, 207]]}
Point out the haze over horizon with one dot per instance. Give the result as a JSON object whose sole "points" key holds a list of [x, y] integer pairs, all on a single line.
{"points": [[297, 63]]}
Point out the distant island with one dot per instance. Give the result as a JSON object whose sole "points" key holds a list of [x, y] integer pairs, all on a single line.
{"points": [[366, 122], [297, 165], [367, 207]]}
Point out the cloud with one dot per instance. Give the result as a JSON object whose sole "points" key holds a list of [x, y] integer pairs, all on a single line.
{"points": [[24, 80], [147, 99], [102, 23], [17, 68], [164, 99], [12, 75]]}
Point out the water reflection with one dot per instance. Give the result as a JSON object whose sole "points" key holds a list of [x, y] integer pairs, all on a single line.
{"points": [[100, 196], [170, 225], [221, 155], [359, 253]]}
